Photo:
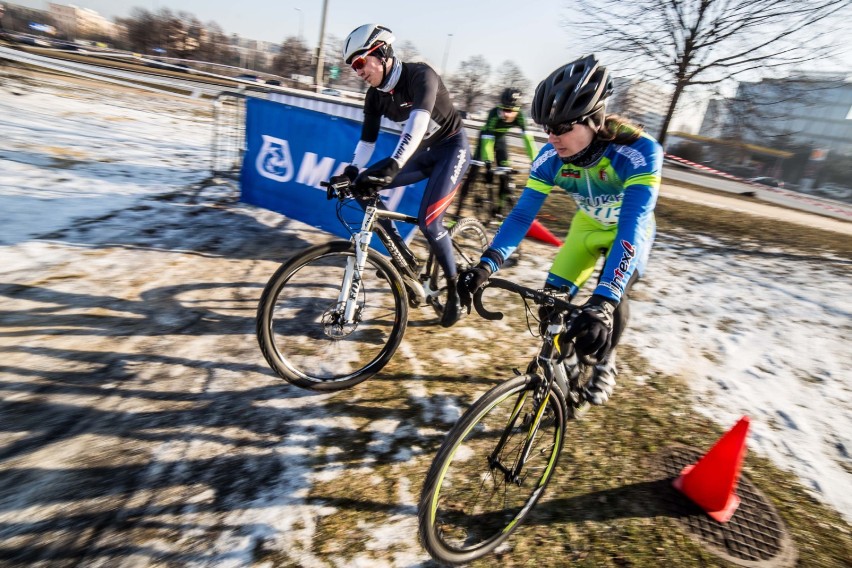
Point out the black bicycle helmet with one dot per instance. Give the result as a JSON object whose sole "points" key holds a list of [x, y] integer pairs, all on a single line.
{"points": [[572, 92], [511, 98]]}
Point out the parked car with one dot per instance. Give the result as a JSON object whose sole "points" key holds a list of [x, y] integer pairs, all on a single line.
{"points": [[35, 41], [273, 82], [770, 181], [332, 92], [247, 77]]}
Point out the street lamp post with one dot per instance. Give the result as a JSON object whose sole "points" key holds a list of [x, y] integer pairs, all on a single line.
{"points": [[446, 54], [321, 48], [301, 21]]}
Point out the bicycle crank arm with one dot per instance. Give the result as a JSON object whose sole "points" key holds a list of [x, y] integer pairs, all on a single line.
{"points": [[414, 286]]}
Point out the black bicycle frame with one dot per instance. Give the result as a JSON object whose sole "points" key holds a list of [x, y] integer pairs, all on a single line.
{"points": [[513, 474]]}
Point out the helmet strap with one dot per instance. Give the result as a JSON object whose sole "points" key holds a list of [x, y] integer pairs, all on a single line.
{"points": [[595, 120]]}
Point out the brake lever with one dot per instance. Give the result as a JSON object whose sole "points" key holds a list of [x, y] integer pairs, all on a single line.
{"points": [[335, 190]]}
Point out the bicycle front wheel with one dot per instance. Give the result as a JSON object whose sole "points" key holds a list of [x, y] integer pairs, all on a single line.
{"points": [[486, 478], [469, 240], [301, 327]]}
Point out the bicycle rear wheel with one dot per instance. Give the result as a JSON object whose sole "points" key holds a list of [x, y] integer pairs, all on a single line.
{"points": [[470, 240], [300, 325], [470, 504]]}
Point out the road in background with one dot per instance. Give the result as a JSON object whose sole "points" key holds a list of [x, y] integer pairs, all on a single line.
{"points": [[786, 198]]}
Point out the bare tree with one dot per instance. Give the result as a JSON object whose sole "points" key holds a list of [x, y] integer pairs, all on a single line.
{"points": [[142, 30], [511, 76], [470, 84], [407, 51], [294, 59], [703, 42]]}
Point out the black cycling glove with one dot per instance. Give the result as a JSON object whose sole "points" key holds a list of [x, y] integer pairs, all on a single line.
{"points": [[383, 171], [592, 327], [350, 172], [470, 281]]}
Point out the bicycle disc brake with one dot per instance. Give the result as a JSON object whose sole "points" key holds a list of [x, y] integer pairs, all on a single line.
{"points": [[333, 323]]}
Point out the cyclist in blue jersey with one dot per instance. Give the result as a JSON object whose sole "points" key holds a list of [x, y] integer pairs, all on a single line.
{"points": [[612, 169], [432, 144], [492, 144]]}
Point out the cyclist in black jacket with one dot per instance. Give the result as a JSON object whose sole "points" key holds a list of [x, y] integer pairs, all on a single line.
{"points": [[432, 145]]}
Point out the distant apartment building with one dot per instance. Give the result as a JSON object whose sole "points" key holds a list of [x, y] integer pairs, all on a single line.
{"points": [[640, 101], [812, 109], [76, 22], [254, 54], [27, 20], [715, 118]]}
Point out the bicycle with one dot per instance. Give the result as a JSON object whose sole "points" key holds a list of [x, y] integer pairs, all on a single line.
{"points": [[492, 200], [508, 441], [333, 315]]}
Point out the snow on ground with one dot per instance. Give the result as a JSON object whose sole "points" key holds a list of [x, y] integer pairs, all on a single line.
{"points": [[763, 333], [73, 152]]}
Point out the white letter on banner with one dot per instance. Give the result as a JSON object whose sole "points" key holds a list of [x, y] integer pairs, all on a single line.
{"points": [[274, 160], [312, 173]]}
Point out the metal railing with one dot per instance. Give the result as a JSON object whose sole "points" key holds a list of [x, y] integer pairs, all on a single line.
{"points": [[229, 134]]}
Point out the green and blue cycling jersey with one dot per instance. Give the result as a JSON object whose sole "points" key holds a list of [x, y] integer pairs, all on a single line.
{"points": [[615, 199], [494, 131]]}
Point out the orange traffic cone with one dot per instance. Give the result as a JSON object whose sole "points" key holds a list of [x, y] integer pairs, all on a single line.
{"points": [[711, 481], [540, 233]]}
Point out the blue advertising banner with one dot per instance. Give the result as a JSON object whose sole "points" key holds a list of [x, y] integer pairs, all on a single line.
{"points": [[291, 150]]}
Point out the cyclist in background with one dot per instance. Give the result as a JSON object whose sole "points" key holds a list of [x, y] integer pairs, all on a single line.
{"points": [[612, 169], [492, 143], [432, 145]]}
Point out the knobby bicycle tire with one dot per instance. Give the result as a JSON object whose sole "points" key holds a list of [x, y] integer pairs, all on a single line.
{"points": [[465, 508], [470, 239], [296, 319]]}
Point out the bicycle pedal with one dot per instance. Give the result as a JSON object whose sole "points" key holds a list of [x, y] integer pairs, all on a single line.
{"points": [[578, 411]]}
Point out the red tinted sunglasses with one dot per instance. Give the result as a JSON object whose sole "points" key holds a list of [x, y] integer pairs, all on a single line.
{"points": [[359, 62]]}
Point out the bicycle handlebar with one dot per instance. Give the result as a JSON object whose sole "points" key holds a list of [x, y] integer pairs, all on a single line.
{"points": [[344, 189], [540, 297], [499, 170]]}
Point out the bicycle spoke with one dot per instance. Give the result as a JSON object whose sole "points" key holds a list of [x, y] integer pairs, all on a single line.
{"points": [[305, 334], [479, 498]]}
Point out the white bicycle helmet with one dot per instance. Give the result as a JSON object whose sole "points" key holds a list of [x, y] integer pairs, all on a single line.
{"points": [[365, 37]]}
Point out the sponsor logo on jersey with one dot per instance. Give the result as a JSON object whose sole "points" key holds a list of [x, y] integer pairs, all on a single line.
{"points": [[462, 158], [600, 200], [635, 156], [566, 173], [603, 175], [542, 158], [406, 104], [620, 280]]}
